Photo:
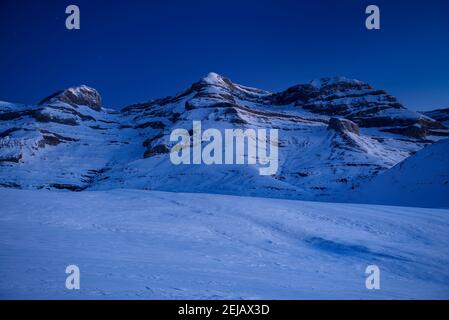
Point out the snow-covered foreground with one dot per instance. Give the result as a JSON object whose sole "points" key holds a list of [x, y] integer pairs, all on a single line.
{"points": [[157, 245]]}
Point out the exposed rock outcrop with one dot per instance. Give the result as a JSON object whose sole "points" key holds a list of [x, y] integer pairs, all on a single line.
{"points": [[441, 115], [159, 149], [81, 95], [343, 125]]}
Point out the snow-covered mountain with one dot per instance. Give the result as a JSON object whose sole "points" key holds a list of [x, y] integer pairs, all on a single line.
{"points": [[339, 139], [334, 134]]}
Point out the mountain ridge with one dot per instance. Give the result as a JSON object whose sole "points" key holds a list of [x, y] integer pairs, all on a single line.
{"points": [[335, 134]]}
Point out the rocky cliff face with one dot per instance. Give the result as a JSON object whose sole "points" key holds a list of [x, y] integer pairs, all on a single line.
{"points": [[334, 134], [441, 115], [82, 95], [361, 103], [343, 126]]}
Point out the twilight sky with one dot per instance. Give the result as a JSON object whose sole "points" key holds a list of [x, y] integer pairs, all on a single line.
{"points": [[135, 50]]}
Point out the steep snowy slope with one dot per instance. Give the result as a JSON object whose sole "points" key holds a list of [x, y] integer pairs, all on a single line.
{"points": [[334, 134], [156, 245], [421, 180]]}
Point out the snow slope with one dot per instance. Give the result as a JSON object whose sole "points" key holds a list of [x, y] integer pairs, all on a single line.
{"points": [[421, 180], [155, 245]]}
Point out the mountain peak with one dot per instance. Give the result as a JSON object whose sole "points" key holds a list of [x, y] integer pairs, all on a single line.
{"points": [[327, 81], [214, 78], [78, 95]]}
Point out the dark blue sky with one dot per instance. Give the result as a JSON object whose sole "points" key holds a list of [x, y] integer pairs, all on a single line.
{"points": [[134, 51]]}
